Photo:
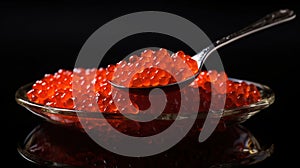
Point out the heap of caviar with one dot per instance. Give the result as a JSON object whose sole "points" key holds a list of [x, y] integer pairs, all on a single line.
{"points": [[151, 68]]}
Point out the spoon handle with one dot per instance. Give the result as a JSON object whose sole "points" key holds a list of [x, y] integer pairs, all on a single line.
{"points": [[269, 20]]}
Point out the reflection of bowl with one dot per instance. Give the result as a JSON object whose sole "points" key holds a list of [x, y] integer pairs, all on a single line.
{"points": [[50, 145], [93, 120]]}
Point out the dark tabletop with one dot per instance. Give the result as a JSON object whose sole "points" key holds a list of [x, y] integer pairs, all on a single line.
{"points": [[42, 37]]}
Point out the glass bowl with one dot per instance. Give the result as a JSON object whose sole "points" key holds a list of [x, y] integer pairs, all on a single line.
{"points": [[93, 120]]}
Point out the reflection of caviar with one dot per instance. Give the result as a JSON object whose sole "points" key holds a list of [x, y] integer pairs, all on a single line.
{"points": [[152, 68], [67, 147]]}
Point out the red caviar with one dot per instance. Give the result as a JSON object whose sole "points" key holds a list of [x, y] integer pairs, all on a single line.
{"points": [[151, 68], [154, 68]]}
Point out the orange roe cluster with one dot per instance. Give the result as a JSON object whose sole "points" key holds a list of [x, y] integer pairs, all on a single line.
{"points": [[152, 68], [89, 86], [238, 93]]}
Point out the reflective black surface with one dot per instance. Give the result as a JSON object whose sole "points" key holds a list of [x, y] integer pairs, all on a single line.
{"points": [[41, 37], [53, 145]]}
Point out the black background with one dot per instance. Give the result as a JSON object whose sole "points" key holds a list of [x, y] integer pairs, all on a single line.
{"points": [[39, 37]]}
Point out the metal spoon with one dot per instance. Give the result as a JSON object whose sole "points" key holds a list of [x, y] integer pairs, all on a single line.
{"points": [[269, 20]]}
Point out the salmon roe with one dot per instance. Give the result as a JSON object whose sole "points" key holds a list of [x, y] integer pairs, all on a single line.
{"points": [[151, 68], [154, 68]]}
